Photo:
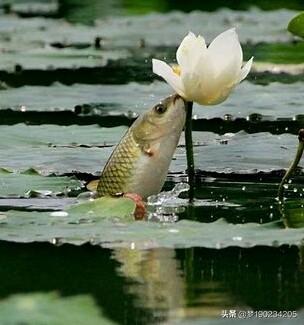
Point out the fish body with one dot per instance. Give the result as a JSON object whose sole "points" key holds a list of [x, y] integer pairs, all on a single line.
{"points": [[140, 162]]}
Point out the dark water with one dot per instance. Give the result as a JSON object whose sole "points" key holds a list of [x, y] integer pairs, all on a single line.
{"points": [[159, 285]]}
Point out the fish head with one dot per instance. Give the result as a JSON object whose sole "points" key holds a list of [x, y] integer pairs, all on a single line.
{"points": [[166, 117]]}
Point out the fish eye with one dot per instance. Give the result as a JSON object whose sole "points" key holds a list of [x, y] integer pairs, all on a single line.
{"points": [[160, 109]]}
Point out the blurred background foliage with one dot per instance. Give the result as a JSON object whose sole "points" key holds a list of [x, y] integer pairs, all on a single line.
{"points": [[86, 11]]}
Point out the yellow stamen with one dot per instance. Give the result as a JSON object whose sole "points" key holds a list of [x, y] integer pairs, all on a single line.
{"points": [[176, 69]]}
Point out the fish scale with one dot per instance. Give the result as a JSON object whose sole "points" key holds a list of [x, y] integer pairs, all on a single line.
{"points": [[120, 167]]}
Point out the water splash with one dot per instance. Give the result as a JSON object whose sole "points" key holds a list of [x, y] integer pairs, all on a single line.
{"points": [[166, 197], [162, 207]]}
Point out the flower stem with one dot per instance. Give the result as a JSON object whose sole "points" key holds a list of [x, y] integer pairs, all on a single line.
{"points": [[293, 166], [189, 150]]}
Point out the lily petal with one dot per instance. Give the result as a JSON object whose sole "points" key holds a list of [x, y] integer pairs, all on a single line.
{"points": [[190, 50], [245, 70], [206, 75], [226, 53], [165, 71]]}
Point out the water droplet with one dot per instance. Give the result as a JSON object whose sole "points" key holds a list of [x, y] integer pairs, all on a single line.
{"points": [[55, 241], [228, 117], [285, 186], [59, 214], [132, 246], [175, 231], [244, 188], [295, 190], [218, 245]]}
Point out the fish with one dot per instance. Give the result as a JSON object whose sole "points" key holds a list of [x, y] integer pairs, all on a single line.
{"points": [[140, 162]]}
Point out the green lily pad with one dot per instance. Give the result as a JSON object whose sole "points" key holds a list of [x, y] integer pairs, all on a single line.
{"points": [[33, 8], [293, 212], [103, 207], [37, 203], [51, 309], [78, 226], [129, 31], [256, 26], [26, 184], [272, 102], [51, 58], [296, 25], [56, 149], [54, 136], [94, 99]]}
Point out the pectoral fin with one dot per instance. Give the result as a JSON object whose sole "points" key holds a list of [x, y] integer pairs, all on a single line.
{"points": [[92, 186]]}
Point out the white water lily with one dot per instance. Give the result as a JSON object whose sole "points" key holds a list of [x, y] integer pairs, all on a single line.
{"points": [[205, 75]]}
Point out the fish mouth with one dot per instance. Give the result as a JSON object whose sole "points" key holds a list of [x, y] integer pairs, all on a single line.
{"points": [[176, 97]]}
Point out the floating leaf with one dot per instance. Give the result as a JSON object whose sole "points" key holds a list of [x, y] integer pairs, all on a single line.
{"points": [[36, 204], [257, 26], [296, 25], [50, 59], [104, 207], [127, 31], [22, 184], [55, 149], [293, 212], [44, 8], [78, 226], [272, 102]]}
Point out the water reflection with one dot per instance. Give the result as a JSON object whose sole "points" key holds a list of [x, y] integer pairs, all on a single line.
{"points": [[154, 277], [159, 285], [201, 283]]}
